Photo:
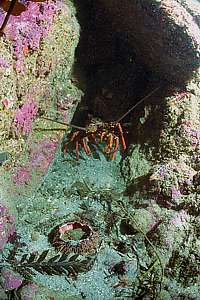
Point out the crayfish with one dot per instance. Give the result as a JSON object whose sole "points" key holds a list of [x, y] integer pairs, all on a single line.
{"points": [[97, 131]]}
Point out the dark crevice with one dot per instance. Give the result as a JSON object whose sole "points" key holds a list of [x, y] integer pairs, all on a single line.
{"points": [[113, 76]]}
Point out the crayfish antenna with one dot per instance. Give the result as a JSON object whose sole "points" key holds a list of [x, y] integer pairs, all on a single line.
{"points": [[63, 123], [77, 150], [140, 101]]}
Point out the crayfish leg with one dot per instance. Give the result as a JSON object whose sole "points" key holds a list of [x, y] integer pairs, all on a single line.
{"points": [[64, 148], [74, 135], [116, 143], [77, 150], [109, 144], [86, 147], [122, 136], [102, 136], [110, 141]]}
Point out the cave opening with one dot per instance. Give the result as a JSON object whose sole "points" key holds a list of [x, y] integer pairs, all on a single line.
{"points": [[112, 75]]}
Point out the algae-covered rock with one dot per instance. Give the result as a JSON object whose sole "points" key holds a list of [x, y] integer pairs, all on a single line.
{"points": [[36, 59], [7, 225], [37, 54], [164, 36], [144, 204]]}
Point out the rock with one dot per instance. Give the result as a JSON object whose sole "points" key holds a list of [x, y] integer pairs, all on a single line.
{"points": [[36, 57], [7, 226], [162, 33], [10, 279]]}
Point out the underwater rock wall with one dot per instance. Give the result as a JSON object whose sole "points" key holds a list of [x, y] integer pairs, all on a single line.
{"points": [[164, 35], [128, 227], [36, 57]]}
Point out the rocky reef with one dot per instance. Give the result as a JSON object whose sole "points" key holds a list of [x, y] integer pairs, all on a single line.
{"points": [[36, 55], [74, 223]]}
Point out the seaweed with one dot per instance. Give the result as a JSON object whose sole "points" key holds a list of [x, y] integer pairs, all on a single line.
{"points": [[60, 264]]}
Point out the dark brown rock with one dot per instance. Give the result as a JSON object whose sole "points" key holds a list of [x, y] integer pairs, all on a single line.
{"points": [[164, 35]]}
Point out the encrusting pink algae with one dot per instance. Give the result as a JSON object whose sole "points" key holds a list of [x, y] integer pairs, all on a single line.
{"points": [[27, 29], [7, 226], [24, 117], [41, 154]]}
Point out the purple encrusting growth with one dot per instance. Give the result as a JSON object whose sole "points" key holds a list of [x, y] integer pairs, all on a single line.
{"points": [[29, 28], [175, 193], [21, 176], [10, 279], [42, 154], [194, 135], [4, 63], [24, 117], [162, 171], [28, 291], [180, 219], [7, 227]]}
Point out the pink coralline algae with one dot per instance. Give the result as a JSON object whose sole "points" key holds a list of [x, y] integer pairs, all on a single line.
{"points": [[24, 117], [194, 135], [21, 176], [7, 227], [180, 220], [175, 193], [28, 291], [4, 63], [10, 280], [28, 29], [192, 132], [42, 153], [7, 103], [162, 171]]}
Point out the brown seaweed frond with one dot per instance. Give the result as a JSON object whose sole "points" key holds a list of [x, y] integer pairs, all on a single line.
{"points": [[67, 264]]}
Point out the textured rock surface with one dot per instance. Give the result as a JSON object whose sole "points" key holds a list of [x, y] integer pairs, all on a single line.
{"points": [[163, 34], [145, 203], [7, 226], [37, 54]]}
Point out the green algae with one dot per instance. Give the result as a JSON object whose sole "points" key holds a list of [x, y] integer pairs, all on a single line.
{"points": [[89, 189]]}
